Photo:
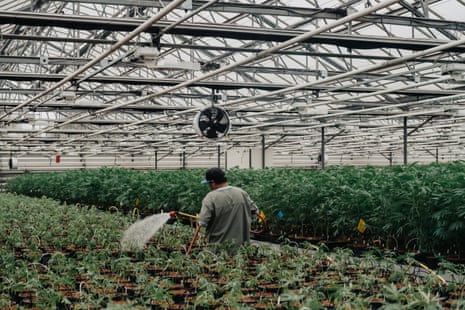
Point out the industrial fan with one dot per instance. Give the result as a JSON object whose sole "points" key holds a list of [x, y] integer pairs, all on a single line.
{"points": [[212, 123]]}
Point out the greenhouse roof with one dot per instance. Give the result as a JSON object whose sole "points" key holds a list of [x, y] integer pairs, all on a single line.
{"points": [[129, 77]]}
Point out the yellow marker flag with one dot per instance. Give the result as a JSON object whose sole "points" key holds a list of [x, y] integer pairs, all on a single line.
{"points": [[361, 227]]}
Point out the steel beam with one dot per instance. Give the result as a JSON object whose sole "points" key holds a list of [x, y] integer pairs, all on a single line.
{"points": [[217, 30], [217, 84]]}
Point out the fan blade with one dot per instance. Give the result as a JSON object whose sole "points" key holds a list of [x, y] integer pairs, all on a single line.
{"points": [[204, 125], [222, 122], [211, 133], [208, 113], [205, 117], [221, 127], [220, 115]]}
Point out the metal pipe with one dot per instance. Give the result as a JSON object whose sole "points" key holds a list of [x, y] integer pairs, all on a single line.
{"points": [[405, 140], [258, 55], [144, 26], [322, 153], [263, 152], [250, 59], [398, 105], [380, 92], [399, 60], [156, 160], [386, 91], [250, 158], [337, 77]]}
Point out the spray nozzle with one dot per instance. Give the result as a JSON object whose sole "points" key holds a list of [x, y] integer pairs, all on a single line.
{"points": [[173, 218], [184, 218]]}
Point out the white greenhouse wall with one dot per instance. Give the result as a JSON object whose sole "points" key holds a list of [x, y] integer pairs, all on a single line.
{"points": [[242, 157], [239, 157]]}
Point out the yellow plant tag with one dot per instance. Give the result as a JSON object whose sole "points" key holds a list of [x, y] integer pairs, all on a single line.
{"points": [[137, 202], [361, 227], [262, 216]]}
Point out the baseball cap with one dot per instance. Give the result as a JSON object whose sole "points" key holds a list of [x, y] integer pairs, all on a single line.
{"points": [[214, 175]]}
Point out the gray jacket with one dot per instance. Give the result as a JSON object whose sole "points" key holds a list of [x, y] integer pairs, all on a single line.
{"points": [[227, 215]]}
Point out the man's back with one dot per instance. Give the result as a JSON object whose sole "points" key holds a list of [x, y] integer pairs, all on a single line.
{"points": [[227, 212]]}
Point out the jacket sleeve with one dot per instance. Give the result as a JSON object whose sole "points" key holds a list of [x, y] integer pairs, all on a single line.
{"points": [[252, 205], [206, 213]]}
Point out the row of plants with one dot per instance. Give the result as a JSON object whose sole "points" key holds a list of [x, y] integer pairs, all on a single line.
{"points": [[150, 191], [46, 264], [414, 207]]}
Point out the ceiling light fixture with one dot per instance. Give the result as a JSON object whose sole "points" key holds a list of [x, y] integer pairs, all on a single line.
{"points": [[146, 55]]}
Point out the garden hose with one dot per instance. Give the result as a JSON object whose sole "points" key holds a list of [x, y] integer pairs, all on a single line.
{"points": [[261, 218], [136, 210], [431, 271], [184, 217], [194, 219], [196, 234], [175, 215]]}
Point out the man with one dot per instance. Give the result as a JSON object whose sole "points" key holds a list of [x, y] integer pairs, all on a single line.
{"points": [[226, 210]]}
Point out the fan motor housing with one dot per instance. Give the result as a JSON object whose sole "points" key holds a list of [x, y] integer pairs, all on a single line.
{"points": [[212, 123]]}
